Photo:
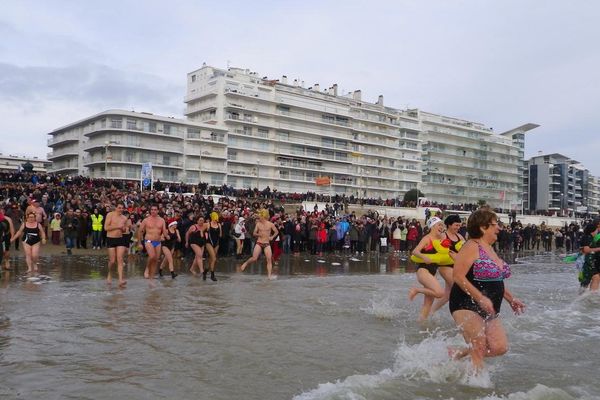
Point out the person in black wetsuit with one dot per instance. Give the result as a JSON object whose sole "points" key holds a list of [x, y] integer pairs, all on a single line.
{"points": [[478, 291]]}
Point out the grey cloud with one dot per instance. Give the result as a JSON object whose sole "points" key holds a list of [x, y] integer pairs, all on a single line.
{"points": [[97, 85]]}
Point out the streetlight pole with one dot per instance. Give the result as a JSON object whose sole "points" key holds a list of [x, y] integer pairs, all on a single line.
{"points": [[258, 174], [106, 146]]}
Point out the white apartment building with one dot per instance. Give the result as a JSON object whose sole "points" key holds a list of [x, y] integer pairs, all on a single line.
{"points": [[286, 136], [13, 163], [248, 131], [115, 143], [465, 162]]}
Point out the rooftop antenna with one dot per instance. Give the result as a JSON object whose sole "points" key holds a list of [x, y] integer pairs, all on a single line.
{"points": [[228, 64]]}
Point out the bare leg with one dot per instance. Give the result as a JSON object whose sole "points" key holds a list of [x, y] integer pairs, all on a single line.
{"points": [[120, 253], [212, 256], [446, 273], [431, 288], [595, 284], [473, 330], [112, 259], [254, 258], [153, 254], [198, 253], [27, 251], [35, 256], [269, 256]]}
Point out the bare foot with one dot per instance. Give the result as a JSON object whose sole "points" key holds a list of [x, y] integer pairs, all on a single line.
{"points": [[412, 293], [122, 284], [242, 267], [192, 271], [146, 273], [456, 353], [272, 277], [108, 280]]}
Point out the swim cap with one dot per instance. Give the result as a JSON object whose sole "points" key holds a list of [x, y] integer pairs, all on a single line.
{"points": [[214, 216], [433, 221], [452, 219], [263, 213]]}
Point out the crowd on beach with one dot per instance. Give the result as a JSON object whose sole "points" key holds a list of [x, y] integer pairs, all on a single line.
{"points": [[72, 211], [82, 212]]}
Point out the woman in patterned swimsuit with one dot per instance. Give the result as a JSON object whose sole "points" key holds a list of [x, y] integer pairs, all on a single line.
{"points": [[478, 291]]}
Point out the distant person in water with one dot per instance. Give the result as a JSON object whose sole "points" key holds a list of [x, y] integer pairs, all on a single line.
{"points": [[264, 231], [478, 291], [152, 229], [117, 242], [33, 234]]}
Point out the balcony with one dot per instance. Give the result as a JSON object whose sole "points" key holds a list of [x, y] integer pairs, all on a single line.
{"points": [[54, 155], [62, 139], [148, 145]]}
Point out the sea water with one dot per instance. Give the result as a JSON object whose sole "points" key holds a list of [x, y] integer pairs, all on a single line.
{"points": [[339, 329]]}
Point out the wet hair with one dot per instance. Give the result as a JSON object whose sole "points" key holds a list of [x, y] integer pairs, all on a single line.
{"points": [[589, 228], [481, 218], [452, 219]]}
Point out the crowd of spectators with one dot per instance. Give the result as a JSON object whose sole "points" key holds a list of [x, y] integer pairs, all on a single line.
{"points": [[73, 208]]}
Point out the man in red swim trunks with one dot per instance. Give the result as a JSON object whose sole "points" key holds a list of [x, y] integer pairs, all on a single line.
{"points": [[265, 231]]}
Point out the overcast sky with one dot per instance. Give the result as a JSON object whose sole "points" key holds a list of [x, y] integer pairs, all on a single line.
{"points": [[502, 63]]}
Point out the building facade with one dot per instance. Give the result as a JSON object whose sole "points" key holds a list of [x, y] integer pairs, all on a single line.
{"points": [[556, 184], [247, 131], [287, 136], [115, 143], [465, 162]]}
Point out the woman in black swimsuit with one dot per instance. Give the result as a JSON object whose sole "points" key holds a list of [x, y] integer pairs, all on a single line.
{"points": [[33, 234], [215, 233], [478, 291], [453, 238], [168, 246], [195, 238]]}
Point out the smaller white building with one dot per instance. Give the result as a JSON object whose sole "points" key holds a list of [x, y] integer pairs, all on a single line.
{"points": [[115, 143], [12, 163]]}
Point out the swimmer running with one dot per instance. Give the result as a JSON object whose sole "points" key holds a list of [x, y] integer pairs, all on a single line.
{"points": [[152, 229], [265, 231]]}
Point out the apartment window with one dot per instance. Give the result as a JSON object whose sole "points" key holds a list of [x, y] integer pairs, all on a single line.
{"points": [[152, 127], [232, 155], [116, 123], [326, 142], [283, 110], [193, 78], [217, 137], [234, 115], [247, 130], [327, 154], [103, 123], [284, 174], [248, 117], [262, 132], [312, 152], [167, 129], [166, 160], [283, 136], [131, 124], [330, 119], [340, 156]]}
